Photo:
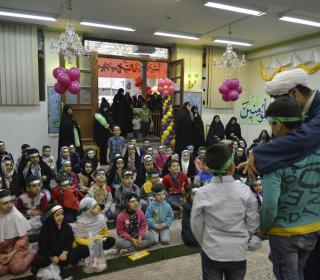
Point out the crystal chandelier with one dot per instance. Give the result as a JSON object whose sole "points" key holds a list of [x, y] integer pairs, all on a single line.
{"points": [[229, 61], [69, 43]]}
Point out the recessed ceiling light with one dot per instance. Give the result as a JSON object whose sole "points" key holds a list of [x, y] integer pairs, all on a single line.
{"points": [[232, 41], [300, 21], [177, 35], [107, 25], [233, 8], [24, 14]]}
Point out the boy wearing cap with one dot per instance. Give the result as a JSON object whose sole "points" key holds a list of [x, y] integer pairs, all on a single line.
{"points": [[290, 212], [127, 186], [224, 216], [159, 215], [32, 203], [146, 192]]}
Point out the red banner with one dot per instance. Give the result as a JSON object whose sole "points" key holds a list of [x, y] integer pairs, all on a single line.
{"points": [[130, 69]]}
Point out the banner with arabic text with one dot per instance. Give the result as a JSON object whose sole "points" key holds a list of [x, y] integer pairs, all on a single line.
{"points": [[130, 69], [251, 110]]}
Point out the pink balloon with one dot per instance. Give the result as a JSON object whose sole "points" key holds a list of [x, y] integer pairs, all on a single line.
{"points": [[74, 74], [227, 81], [160, 89], [225, 97], [224, 89], [233, 95], [59, 88], [171, 89], [74, 87], [233, 84], [165, 93], [239, 89], [161, 83], [64, 79], [57, 71]]}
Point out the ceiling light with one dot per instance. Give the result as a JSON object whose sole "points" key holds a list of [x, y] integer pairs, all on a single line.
{"points": [[233, 8], [300, 20], [177, 35], [20, 14], [106, 25], [233, 41]]}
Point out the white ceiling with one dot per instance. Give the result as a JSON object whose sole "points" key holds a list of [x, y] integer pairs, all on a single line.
{"points": [[189, 16]]}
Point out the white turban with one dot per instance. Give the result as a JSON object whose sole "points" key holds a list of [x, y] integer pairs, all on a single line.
{"points": [[286, 80]]}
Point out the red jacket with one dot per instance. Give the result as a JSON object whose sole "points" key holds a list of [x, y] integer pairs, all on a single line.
{"points": [[123, 220], [26, 203], [70, 198], [171, 188]]}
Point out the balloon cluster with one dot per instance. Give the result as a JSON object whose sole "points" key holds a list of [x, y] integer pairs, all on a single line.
{"points": [[167, 131], [230, 89], [166, 87], [67, 80], [138, 84]]}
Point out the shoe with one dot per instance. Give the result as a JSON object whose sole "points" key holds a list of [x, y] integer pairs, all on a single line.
{"points": [[99, 265], [88, 269]]}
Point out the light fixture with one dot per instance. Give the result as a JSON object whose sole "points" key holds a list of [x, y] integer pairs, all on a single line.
{"points": [[192, 80], [231, 8], [232, 41], [177, 35], [106, 25], [300, 21], [69, 43], [24, 14], [229, 61]]}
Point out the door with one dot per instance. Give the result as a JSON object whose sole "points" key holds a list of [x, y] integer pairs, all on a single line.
{"points": [[84, 104], [176, 74]]}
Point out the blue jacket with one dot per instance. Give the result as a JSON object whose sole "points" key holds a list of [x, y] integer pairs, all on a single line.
{"points": [[284, 151], [159, 213]]}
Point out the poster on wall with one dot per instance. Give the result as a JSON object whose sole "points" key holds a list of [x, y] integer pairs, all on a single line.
{"points": [[195, 98], [54, 110], [251, 110]]}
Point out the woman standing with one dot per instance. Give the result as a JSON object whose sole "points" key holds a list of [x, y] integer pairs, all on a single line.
{"points": [[216, 131], [103, 122], [197, 129], [69, 132], [120, 108], [233, 130], [183, 127]]}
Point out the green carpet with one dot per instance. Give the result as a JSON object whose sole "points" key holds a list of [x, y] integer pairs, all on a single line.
{"points": [[124, 262]]}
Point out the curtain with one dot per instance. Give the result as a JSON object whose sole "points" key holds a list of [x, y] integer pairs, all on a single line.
{"points": [[214, 79], [18, 65]]}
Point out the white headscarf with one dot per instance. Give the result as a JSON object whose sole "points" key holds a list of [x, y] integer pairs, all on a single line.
{"points": [[12, 225], [87, 222], [286, 80]]}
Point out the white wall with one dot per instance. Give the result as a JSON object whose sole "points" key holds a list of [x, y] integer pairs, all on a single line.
{"points": [[29, 124]]}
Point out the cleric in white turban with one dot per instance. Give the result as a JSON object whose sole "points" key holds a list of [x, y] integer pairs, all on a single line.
{"points": [[285, 81]]}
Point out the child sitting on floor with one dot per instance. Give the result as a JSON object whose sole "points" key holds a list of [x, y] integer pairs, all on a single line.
{"points": [[33, 203], [68, 197], [15, 256], [127, 186], [86, 178], [66, 170], [101, 192], [92, 222], [159, 215], [186, 232], [75, 159], [48, 158], [55, 242], [91, 156], [161, 157], [132, 227], [146, 192], [200, 158], [175, 182], [204, 177], [115, 173]]}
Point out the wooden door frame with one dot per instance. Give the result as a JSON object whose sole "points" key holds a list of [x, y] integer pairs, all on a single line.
{"points": [[181, 76]]}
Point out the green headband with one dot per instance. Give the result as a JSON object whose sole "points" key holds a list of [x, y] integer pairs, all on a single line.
{"points": [[286, 119], [223, 170]]}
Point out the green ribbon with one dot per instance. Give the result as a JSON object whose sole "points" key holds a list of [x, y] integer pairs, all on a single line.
{"points": [[286, 119], [223, 170]]}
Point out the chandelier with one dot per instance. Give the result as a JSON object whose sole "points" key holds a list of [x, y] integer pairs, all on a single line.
{"points": [[229, 61], [69, 43]]}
